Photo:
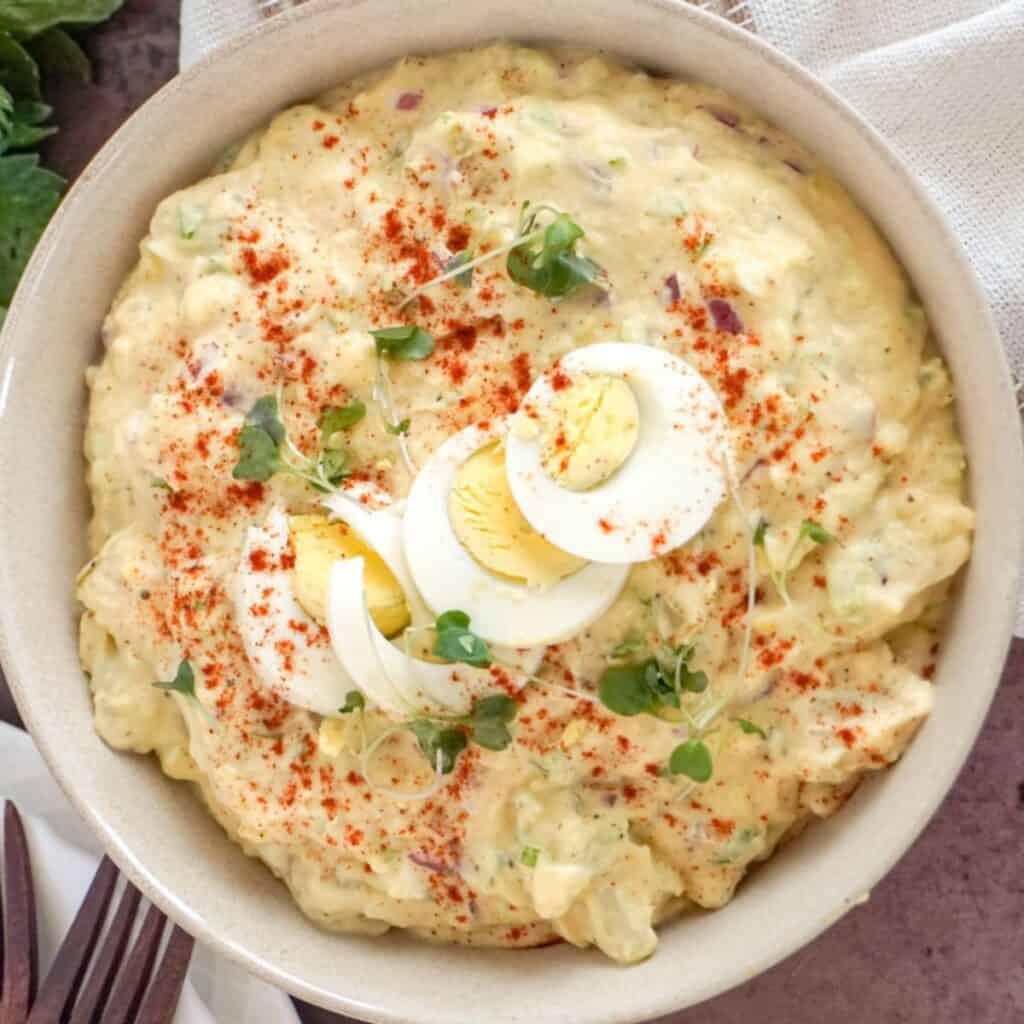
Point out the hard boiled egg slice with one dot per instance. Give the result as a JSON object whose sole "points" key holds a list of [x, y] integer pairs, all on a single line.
{"points": [[618, 454], [288, 650], [400, 684], [381, 529], [516, 589]]}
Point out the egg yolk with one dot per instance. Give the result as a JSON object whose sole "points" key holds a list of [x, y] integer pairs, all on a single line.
{"points": [[318, 544], [589, 431], [489, 525]]}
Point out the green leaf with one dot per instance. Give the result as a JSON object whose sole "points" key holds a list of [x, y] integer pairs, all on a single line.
{"points": [[28, 196], [751, 729], [759, 531], [259, 459], [159, 484], [24, 136], [434, 740], [530, 856], [337, 418], [407, 342], [336, 464], [18, 71], [551, 268], [184, 681], [633, 643], [455, 641], [59, 54], [6, 116], [354, 701], [27, 18], [692, 759], [265, 416], [400, 428], [489, 721], [815, 532], [627, 689]]}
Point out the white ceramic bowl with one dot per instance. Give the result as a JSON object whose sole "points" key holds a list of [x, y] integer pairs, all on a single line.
{"points": [[157, 832]]}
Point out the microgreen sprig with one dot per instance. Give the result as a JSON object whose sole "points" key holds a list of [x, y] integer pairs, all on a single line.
{"points": [[487, 725], [455, 641], [809, 530], [541, 257], [265, 448], [406, 342], [184, 681]]}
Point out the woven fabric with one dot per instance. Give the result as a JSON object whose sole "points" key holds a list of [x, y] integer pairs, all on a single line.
{"points": [[942, 80]]}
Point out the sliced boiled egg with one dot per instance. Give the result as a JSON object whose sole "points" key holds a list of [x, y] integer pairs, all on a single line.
{"points": [[381, 529], [318, 543], [619, 454], [392, 678], [288, 650], [469, 548]]}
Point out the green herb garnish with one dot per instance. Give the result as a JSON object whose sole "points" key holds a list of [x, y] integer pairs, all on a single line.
{"points": [[651, 685], [489, 721], [530, 856], [405, 343], [547, 262], [184, 681], [486, 725], [266, 451], [814, 531], [543, 258], [809, 530], [440, 746], [399, 429], [454, 641], [751, 728], [354, 701], [337, 418], [692, 759], [759, 531]]}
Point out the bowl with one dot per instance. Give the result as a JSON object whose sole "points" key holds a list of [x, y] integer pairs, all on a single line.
{"points": [[157, 832]]}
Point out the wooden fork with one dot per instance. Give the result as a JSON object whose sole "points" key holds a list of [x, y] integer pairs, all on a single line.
{"points": [[119, 990]]}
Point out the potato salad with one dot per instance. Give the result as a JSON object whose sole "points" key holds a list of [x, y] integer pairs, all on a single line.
{"points": [[525, 494]]}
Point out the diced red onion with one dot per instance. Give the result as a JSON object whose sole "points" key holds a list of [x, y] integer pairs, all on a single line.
{"points": [[409, 100], [432, 865], [671, 291], [725, 317], [727, 117]]}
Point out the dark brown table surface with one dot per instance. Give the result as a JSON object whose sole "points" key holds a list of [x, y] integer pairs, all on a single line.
{"points": [[942, 938]]}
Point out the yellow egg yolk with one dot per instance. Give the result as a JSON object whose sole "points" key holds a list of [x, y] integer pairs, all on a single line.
{"points": [[489, 525], [318, 544], [589, 431]]}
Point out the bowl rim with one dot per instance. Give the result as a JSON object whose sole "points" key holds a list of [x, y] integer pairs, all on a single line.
{"points": [[122, 852]]}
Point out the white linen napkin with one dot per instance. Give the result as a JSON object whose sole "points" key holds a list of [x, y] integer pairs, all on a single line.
{"points": [[940, 79], [64, 857]]}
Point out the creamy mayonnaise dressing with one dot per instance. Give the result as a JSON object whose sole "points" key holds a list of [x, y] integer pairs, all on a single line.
{"points": [[723, 242]]}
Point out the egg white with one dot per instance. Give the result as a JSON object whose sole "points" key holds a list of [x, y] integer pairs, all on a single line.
{"points": [[315, 678], [663, 493], [381, 529], [501, 610], [398, 683]]}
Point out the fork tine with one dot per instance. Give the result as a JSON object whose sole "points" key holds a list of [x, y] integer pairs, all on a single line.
{"points": [[90, 1006], [61, 985], [132, 981], [163, 995], [19, 923]]}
